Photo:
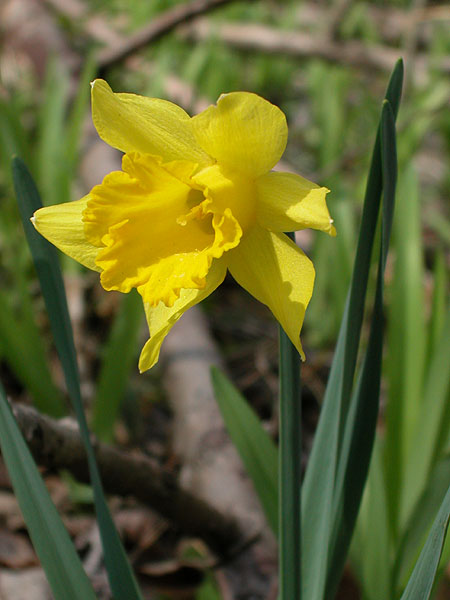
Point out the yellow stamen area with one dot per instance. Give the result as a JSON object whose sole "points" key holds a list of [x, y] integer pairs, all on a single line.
{"points": [[155, 229]]}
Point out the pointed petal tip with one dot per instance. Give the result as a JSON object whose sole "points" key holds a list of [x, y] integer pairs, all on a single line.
{"points": [[97, 81], [145, 359]]}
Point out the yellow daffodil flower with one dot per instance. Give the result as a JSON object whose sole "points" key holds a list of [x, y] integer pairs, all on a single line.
{"points": [[195, 197]]}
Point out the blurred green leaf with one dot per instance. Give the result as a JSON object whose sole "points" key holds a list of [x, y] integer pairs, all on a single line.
{"points": [[70, 131], [77, 113], [13, 139], [121, 578], [421, 582], [319, 485], [360, 425], [432, 424], [437, 316], [372, 560], [50, 539], [419, 522], [258, 452], [407, 341], [25, 354], [119, 356], [52, 164]]}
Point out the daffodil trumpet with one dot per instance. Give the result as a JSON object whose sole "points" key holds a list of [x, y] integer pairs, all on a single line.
{"points": [[195, 197]]}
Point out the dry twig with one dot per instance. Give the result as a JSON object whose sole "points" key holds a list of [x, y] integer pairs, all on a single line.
{"points": [[119, 47], [251, 36], [160, 25], [58, 446], [293, 43]]}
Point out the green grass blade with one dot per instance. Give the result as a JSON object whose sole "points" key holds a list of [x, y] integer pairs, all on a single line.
{"points": [[290, 472], [257, 450], [370, 550], [318, 488], [121, 578], [51, 541], [407, 341], [419, 522], [71, 130], [13, 139], [24, 352], [437, 316], [421, 581], [120, 354], [365, 243], [433, 423], [362, 416], [77, 112], [52, 167]]}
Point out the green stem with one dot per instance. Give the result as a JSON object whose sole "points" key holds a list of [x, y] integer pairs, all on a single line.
{"points": [[290, 464]]}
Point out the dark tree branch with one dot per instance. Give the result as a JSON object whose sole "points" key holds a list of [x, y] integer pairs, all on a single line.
{"points": [[58, 446], [261, 38], [160, 25]]}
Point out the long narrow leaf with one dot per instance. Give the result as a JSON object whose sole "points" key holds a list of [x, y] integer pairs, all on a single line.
{"points": [[406, 348], [433, 422], [318, 489], [367, 232], [51, 166], [50, 539], [419, 523], [120, 353], [257, 450], [372, 560], [25, 354], [438, 305], [421, 582], [363, 412], [121, 578]]}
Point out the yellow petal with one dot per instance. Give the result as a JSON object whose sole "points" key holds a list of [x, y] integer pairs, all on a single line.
{"points": [[149, 125], [243, 131], [161, 319], [277, 273], [62, 225], [155, 235], [288, 202]]}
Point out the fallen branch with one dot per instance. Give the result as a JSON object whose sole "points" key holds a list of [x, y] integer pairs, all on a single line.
{"points": [[303, 45], [159, 26], [390, 23], [55, 445], [250, 36], [211, 466]]}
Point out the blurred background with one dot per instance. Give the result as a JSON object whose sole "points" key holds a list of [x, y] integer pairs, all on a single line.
{"points": [[326, 64]]}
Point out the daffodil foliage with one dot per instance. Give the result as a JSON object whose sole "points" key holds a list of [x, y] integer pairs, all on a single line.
{"points": [[195, 197]]}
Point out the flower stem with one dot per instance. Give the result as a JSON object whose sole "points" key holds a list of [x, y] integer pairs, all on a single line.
{"points": [[290, 460]]}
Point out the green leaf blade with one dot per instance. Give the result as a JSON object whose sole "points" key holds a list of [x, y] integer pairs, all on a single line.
{"points": [[421, 581], [121, 577], [120, 353], [51, 541], [359, 432], [318, 498], [258, 452]]}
